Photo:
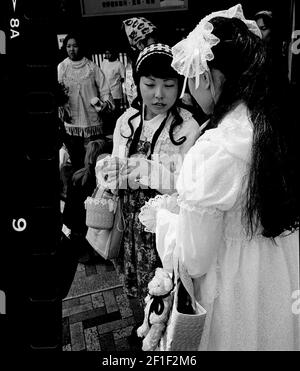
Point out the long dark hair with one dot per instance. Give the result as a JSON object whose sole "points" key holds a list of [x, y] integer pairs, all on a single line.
{"points": [[159, 66], [272, 191]]}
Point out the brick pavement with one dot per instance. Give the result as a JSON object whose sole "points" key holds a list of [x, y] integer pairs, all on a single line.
{"points": [[100, 320]]}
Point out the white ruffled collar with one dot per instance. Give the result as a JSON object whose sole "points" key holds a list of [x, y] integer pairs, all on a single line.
{"points": [[76, 64], [150, 126]]}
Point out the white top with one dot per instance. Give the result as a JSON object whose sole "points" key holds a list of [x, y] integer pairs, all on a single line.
{"points": [[114, 72], [245, 285], [167, 158], [85, 81]]}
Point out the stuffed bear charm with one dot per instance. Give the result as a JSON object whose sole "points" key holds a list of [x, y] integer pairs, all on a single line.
{"points": [[158, 304]]}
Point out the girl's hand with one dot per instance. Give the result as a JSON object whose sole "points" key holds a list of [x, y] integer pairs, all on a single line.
{"points": [[112, 172], [137, 168]]}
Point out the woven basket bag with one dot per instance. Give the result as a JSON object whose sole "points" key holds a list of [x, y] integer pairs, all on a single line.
{"points": [[100, 209]]}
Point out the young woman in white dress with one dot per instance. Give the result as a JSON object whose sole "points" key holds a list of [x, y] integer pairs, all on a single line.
{"points": [[237, 228]]}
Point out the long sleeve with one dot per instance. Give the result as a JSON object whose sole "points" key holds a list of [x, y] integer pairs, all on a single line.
{"points": [[59, 72], [196, 233], [166, 227], [209, 185]]}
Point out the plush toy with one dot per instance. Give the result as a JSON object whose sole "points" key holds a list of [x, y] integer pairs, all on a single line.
{"points": [[158, 304]]}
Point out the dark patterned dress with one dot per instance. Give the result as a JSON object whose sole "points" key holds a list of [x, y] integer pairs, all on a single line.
{"points": [[138, 256]]}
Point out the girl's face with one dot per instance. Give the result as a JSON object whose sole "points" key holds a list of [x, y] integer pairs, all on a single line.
{"points": [[73, 50], [158, 95]]}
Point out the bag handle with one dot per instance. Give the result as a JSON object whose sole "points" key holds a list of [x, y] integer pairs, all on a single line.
{"points": [[180, 272], [95, 192], [121, 226], [102, 190]]}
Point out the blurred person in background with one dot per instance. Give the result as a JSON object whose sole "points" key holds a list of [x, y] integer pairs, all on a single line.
{"points": [[272, 36], [114, 72], [81, 185]]}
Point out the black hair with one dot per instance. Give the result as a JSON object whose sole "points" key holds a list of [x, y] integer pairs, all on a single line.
{"points": [[275, 43], [114, 53], [159, 66], [268, 19], [272, 190], [79, 39]]}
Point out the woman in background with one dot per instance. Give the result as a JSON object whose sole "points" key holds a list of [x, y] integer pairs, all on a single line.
{"points": [[87, 89]]}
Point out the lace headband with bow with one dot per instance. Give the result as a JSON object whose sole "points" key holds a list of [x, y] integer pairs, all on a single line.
{"points": [[190, 55], [153, 49]]}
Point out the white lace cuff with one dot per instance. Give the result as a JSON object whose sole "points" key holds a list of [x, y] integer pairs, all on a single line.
{"points": [[148, 212], [199, 210]]}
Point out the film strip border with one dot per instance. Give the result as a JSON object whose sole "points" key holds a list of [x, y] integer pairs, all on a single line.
{"points": [[31, 282]]}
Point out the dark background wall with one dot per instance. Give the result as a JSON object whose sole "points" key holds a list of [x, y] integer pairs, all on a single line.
{"points": [[103, 31]]}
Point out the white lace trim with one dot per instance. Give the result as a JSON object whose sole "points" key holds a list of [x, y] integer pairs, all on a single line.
{"points": [[185, 114], [148, 132], [148, 212], [199, 210], [190, 55], [101, 201], [75, 72]]}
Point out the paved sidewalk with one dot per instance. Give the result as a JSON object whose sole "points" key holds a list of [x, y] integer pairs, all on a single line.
{"points": [[100, 320]]}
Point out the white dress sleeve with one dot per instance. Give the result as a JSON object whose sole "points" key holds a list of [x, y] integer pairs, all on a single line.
{"points": [[60, 71], [209, 184], [166, 226]]}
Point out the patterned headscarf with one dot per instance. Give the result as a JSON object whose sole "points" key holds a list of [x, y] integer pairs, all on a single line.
{"points": [[137, 29]]}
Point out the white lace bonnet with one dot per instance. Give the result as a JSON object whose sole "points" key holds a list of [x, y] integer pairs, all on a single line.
{"points": [[190, 55]]}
